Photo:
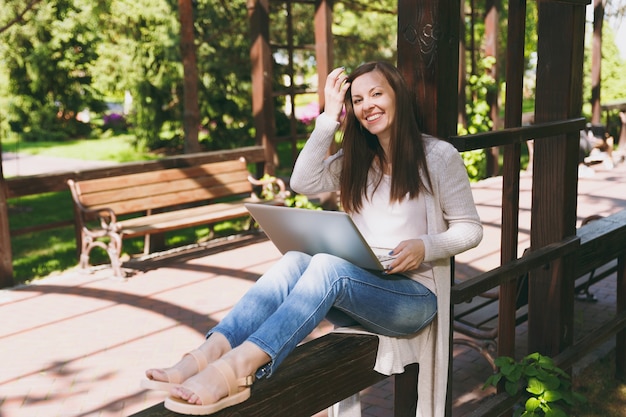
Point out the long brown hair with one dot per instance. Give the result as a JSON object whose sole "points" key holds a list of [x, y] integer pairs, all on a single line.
{"points": [[361, 148]]}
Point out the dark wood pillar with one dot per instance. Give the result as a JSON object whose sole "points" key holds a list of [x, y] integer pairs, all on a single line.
{"points": [[555, 177], [620, 337], [324, 56], [323, 45], [191, 112], [262, 99], [428, 57], [511, 172], [492, 18], [6, 258], [596, 62]]}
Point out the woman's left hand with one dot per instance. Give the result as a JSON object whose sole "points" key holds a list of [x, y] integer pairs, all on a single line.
{"points": [[409, 255]]}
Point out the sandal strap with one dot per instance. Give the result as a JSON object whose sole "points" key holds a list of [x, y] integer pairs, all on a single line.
{"points": [[234, 383], [174, 376], [228, 375], [200, 358]]}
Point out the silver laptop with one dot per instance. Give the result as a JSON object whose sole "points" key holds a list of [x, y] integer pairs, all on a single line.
{"points": [[317, 231]]}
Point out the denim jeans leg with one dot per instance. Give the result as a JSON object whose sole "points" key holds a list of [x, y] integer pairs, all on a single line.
{"points": [[262, 299], [390, 305]]}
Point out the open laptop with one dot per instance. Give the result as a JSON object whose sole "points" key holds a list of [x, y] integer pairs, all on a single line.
{"points": [[317, 231]]}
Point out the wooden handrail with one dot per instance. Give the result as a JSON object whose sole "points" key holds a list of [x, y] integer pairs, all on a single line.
{"points": [[514, 135], [467, 289]]}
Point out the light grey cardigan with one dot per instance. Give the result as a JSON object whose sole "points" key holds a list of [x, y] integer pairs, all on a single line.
{"points": [[453, 227]]}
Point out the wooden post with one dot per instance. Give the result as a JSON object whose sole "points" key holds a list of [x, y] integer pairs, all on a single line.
{"points": [[492, 18], [323, 45], [262, 99], [555, 171], [6, 258], [620, 338], [325, 63], [510, 173], [596, 62], [428, 57], [191, 112]]}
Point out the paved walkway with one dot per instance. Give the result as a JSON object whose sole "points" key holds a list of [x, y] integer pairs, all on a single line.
{"points": [[22, 164], [77, 344]]}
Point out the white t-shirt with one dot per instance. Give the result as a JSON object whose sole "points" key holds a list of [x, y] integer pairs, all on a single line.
{"points": [[384, 225]]}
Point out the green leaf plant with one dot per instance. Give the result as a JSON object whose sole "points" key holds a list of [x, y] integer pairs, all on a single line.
{"points": [[548, 390]]}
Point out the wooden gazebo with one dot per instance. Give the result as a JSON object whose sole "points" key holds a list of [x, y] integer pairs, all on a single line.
{"points": [[428, 56]]}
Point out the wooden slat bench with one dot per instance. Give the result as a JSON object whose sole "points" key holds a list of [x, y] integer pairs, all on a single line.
{"points": [[314, 376], [159, 201]]}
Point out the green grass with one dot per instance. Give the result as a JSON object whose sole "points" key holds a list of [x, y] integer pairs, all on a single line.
{"points": [[39, 254]]}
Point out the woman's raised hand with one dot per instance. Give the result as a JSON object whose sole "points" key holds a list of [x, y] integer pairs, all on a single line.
{"points": [[335, 92]]}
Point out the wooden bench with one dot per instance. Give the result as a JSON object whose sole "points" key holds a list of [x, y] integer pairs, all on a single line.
{"points": [[328, 369], [316, 375], [159, 201]]}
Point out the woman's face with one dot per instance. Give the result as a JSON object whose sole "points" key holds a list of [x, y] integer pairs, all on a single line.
{"points": [[374, 103]]}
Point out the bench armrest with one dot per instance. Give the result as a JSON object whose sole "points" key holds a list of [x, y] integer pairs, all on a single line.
{"points": [[272, 186], [106, 216]]}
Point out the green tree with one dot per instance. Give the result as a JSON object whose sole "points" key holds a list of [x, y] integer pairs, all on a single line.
{"points": [[47, 58], [140, 54], [365, 31]]}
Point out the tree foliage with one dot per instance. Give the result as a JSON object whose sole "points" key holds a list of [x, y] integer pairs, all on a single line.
{"points": [[47, 61], [62, 56]]}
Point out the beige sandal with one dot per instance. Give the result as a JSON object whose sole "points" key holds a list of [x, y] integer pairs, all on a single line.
{"points": [[238, 392], [174, 375]]}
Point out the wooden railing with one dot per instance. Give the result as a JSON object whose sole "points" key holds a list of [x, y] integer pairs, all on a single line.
{"points": [[594, 245]]}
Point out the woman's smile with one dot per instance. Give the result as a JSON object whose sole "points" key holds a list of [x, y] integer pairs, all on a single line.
{"points": [[373, 100]]}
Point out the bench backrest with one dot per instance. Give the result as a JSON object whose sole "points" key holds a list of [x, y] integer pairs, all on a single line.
{"points": [[158, 189]]}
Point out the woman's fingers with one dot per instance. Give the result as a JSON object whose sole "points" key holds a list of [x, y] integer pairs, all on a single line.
{"points": [[335, 92]]}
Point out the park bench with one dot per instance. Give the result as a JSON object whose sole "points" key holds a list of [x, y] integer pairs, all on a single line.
{"points": [[107, 210]]}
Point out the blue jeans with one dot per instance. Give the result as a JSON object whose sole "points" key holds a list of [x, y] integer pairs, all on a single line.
{"points": [[299, 291]]}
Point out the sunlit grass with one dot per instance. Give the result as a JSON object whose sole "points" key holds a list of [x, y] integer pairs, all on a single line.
{"points": [[39, 254]]}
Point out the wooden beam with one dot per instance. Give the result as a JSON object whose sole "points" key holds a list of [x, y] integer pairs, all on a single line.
{"points": [[323, 45], [262, 99], [511, 166], [6, 259], [314, 376], [560, 47], [428, 57]]}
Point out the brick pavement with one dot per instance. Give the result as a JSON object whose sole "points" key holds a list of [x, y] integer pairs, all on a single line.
{"points": [[77, 344]]}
